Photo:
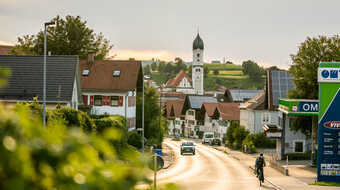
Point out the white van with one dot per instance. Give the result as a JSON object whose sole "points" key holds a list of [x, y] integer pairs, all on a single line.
{"points": [[207, 137]]}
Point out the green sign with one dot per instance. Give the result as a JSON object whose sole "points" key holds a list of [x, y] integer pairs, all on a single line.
{"points": [[329, 122], [299, 106]]}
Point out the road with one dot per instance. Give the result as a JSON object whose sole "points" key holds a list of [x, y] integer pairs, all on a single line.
{"points": [[209, 169]]}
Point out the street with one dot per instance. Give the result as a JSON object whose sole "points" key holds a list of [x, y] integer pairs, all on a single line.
{"points": [[209, 169]]}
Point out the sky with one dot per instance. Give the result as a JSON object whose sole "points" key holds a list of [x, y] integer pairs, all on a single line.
{"points": [[266, 31]]}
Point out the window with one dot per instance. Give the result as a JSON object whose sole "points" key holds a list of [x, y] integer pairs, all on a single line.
{"points": [[190, 112], [114, 101], [177, 122], [86, 72], [198, 54], [191, 122], [298, 146], [116, 73], [198, 60], [198, 70], [97, 100], [265, 117]]}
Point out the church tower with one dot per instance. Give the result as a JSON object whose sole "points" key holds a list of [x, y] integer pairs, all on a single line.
{"points": [[197, 65]]}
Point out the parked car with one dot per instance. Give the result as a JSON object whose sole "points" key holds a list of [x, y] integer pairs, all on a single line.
{"points": [[188, 147], [207, 137], [216, 141]]}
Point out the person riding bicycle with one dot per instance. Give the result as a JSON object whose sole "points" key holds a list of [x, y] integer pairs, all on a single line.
{"points": [[259, 164]]}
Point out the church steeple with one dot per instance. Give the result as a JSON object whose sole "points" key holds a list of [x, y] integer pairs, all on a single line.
{"points": [[197, 65], [198, 43]]}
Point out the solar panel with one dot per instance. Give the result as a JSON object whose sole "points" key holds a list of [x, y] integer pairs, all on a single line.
{"points": [[281, 84]]}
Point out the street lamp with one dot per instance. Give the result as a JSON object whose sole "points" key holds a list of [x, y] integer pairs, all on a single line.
{"points": [[46, 24]]}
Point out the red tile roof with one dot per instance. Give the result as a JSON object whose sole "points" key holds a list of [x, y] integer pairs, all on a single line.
{"points": [[229, 111], [176, 105], [4, 49], [210, 107], [100, 77], [174, 82]]}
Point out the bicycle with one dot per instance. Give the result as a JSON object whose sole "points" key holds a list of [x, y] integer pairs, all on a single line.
{"points": [[260, 175]]}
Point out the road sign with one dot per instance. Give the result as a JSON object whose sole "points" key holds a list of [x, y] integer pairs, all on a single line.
{"points": [[329, 122], [159, 163]]}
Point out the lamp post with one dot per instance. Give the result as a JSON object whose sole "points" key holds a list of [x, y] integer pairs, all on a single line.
{"points": [[46, 24], [143, 118]]}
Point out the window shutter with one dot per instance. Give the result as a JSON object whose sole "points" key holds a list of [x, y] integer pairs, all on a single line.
{"points": [[120, 101], [85, 99], [91, 100], [108, 98]]}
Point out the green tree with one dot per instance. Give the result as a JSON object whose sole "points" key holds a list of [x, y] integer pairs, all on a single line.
{"points": [[179, 65], [147, 70], [4, 73], [304, 70], [206, 71], [70, 36], [161, 66], [251, 69], [306, 62], [154, 66], [153, 132]]}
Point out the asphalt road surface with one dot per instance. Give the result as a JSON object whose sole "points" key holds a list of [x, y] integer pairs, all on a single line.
{"points": [[209, 169]]}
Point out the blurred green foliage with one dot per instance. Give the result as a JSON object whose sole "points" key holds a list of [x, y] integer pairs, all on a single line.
{"points": [[60, 157], [258, 140]]}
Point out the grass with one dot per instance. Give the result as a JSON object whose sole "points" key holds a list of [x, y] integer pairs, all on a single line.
{"points": [[224, 66], [326, 184]]}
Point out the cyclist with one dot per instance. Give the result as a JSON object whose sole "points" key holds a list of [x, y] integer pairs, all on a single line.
{"points": [[259, 164]]}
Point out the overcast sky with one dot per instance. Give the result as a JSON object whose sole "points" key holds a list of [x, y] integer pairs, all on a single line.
{"points": [[266, 31]]}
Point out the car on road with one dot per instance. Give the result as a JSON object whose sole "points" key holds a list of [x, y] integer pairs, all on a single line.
{"points": [[207, 137], [215, 141], [187, 147]]}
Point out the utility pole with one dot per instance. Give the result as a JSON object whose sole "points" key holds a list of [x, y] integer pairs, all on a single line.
{"points": [[46, 24], [143, 118]]}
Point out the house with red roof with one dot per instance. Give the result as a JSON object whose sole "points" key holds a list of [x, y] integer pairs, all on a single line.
{"points": [[217, 117], [174, 116], [181, 83], [111, 87]]}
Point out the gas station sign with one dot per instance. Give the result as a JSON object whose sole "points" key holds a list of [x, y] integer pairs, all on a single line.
{"points": [[329, 122]]}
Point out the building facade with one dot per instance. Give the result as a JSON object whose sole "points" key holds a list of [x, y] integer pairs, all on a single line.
{"points": [[111, 87]]}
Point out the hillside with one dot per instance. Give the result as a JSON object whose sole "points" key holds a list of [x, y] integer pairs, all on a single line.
{"points": [[229, 76]]}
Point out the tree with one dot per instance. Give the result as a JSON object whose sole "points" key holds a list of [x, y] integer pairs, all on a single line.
{"points": [[154, 66], [153, 132], [161, 66], [206, 71], [216, 72], [147, 70], [306, 62], [304, 70], [179, 65], [70, 36], [251, 69]]}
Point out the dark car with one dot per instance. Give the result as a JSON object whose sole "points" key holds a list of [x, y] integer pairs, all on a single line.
{"points": [[188, 147], [216, 141]]}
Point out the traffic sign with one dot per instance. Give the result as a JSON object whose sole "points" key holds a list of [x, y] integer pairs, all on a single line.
{"points": [[159, 163]]}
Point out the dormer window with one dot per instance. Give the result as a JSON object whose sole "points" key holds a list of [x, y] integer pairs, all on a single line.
{"points": [[116, 73], [86, 72]]}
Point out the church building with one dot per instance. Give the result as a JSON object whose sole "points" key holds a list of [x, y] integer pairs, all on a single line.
{"points": [[182, 82]]}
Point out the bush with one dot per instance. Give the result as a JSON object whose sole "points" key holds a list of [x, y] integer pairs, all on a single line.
{"points": [[135, 139], [73, 118], [249, 143], [58, 157]]}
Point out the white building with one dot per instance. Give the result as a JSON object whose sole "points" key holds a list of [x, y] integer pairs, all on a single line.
{"points": [[254, 114], [182, 82], [191, 110], [111, 87], [218, 117], [174, 116]]}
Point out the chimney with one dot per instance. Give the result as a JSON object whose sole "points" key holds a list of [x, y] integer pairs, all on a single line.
{"points": [[90, 57]]}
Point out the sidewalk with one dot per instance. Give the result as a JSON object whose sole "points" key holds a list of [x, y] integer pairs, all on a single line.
{"points": [[300, 173], [168, 156]]}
